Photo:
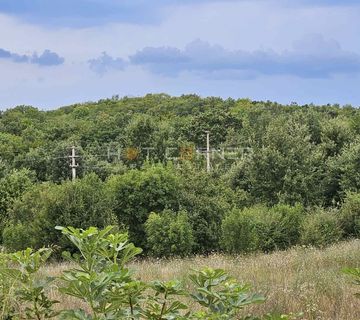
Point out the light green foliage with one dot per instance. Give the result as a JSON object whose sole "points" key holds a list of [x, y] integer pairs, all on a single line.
{"points": [[163, 304], [169, 234], [355, 274], [23, 293], [346, 168], [283, 167], [320, 228], [335, 134], [220, 294], [100, 277]]}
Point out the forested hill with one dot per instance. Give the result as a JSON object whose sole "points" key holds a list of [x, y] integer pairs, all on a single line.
{"points": [[144, 150]]}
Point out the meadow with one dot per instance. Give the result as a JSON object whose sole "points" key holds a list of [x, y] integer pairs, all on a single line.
{"points": [[299, 280]]}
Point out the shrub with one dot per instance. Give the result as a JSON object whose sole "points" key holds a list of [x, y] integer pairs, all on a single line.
{"points": [[207, 200], [262, 228], [239, 231], [280, 227], [137, 193], [169, 234], [350, 215], [12, 187], [320, 228], [84, 202]]}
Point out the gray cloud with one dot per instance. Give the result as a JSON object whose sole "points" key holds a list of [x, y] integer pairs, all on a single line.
{"points": [[105, 63], [312, 57], [47, 58]]}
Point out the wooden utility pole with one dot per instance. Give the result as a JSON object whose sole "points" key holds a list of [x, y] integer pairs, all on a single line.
{"points": [[73, 164], [208, 151]]}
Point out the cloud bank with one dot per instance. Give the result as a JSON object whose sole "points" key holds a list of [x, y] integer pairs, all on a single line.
{"points": [[312, 57], [47, 58]]}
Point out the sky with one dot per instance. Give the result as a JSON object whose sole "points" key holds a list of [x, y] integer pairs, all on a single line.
{"points": [[60, 52]]}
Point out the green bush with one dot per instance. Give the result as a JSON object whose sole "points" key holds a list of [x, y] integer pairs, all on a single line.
{"points": [[207, 200], [350, 215], [16, 235], [12, 187], [320, 228], [261, 228], [169, 234], [239, 231], [280, 227], [137, 193], [84, 203]]}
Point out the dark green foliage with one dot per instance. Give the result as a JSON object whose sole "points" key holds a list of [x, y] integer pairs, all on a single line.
{"points": [[169, 234], [84, 203], [321, 228], [262, 228], [284, 167], [306, 155], [137, 193], [12, 187], [239, 232], [206, 199], [349, 215]]}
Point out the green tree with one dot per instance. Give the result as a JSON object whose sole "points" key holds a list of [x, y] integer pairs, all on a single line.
{"points": [[286, 167], [137, 193], [169, 234], [206, 198], [12, 187], [82, 203]]}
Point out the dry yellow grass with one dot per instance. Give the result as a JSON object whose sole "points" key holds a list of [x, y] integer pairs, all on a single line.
{"points": [[298, 280]]}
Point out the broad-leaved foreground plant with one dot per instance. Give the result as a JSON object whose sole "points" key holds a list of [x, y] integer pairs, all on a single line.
{"points": [[23, 294], [101, 279]]}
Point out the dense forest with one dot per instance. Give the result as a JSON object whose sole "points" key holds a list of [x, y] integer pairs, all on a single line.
{"points": [[281, 175]]}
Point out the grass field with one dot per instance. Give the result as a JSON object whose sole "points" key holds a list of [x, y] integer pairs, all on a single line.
{"points": [[303, 280]]}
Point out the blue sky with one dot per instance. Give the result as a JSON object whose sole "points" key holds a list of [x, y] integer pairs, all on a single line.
{"points": [[58, 52]]}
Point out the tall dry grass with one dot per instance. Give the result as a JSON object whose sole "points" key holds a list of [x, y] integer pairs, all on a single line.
{"points": [[303, 280]]}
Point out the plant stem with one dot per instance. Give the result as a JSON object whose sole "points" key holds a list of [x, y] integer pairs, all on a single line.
{"points": [[131, 308], [163, 306]]}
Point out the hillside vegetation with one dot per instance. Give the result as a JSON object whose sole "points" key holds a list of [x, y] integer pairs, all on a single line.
{"points": [[281, 175]]}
